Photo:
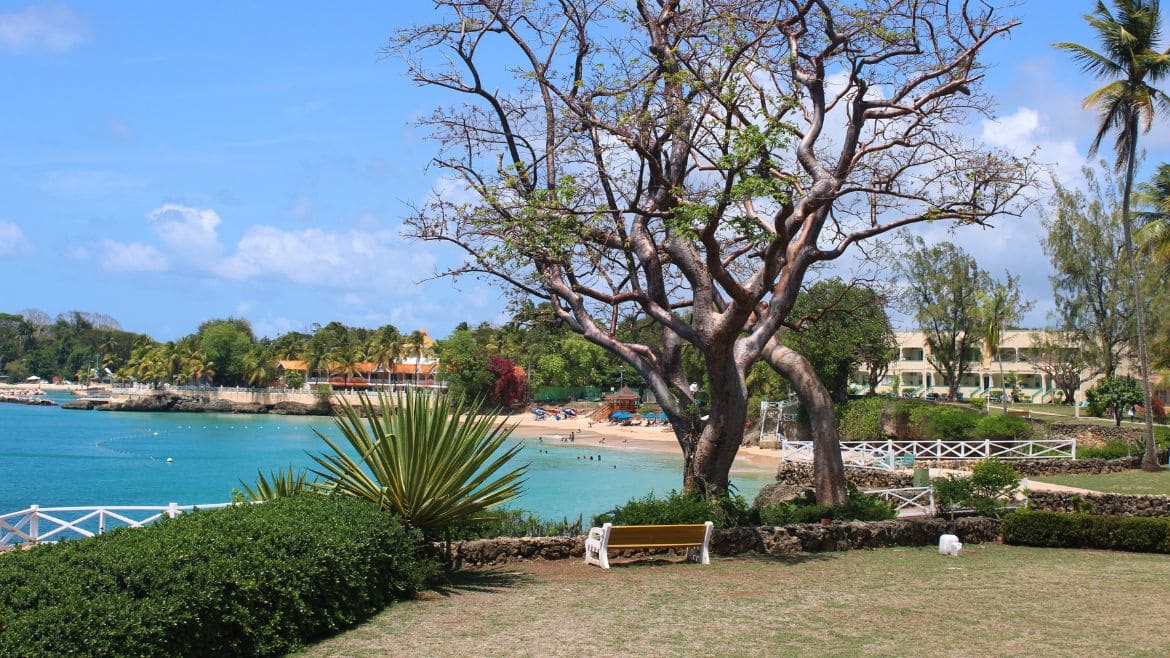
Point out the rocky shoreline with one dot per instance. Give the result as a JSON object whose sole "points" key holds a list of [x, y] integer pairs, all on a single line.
{"points": [[27, 399], [191, 404]]}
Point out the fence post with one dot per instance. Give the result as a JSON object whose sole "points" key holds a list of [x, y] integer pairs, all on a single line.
{"points": [[33, 511], [1074, 448], [102, 521], [172, 510], [987, 448]]}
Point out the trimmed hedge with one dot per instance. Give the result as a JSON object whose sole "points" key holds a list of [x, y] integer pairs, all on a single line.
{"points": [[1057, 530], [255, 580]]}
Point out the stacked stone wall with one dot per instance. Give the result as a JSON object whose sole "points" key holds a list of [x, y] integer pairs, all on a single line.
{"points": [[1093, 436], [1104, 503], [801, 474], [1042, 467], [765, 540]]}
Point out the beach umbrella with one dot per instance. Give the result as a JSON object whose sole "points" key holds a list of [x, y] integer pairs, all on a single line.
{"points": [[620, 415], [649, 414]]}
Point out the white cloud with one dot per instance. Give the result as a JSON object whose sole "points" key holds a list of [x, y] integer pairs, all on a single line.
{"points": [[1011, 130], [352, 299], [352, 259], [189, 232], [130, 257], [54, 28], [12, 241], [1025, 131]]}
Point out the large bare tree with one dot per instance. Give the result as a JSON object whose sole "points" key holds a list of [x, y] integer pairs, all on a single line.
{"points": [[688, 163]]}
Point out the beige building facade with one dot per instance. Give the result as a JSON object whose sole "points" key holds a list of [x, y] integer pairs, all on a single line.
{"points": [[916, 377]]}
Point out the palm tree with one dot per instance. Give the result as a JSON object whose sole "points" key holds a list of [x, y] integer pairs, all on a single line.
{"points": [[416, 346], [385, 350], [1130, 62], [1001, 308], [344, 357], [259, 368], [1154, 195]]}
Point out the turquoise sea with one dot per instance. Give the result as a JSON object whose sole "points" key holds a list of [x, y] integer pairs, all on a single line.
{"points": [[53, 457]]}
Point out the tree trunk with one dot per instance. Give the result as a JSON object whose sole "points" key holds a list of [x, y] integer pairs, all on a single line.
{"points": [[828, 468], [1150, 459], [707, 466]]}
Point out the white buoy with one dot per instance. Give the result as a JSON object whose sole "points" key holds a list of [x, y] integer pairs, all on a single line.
{"points": [[169, 460], [156, 433]]}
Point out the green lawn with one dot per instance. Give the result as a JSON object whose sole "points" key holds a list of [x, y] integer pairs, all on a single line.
{"points": [[994, 600], [1126, 482]]}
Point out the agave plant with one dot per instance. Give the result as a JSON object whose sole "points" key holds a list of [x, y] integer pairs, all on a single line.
{"points": [[432, 461], [282, 485]]}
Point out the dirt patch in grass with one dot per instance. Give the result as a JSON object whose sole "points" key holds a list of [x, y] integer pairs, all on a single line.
{"points": [[993, 600]]}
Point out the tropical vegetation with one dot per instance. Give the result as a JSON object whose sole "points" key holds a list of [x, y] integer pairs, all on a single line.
{"points": [[1131, 64], [434, 461]]}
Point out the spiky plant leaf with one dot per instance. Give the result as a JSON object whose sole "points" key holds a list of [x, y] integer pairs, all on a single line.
{"points": [[282, 485], [432, 461]]}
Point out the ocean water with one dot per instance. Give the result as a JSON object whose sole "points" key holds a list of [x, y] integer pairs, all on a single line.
{"points": [[55, 457]]}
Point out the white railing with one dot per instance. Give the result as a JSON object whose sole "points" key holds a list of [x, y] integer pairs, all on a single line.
{"points": [[908, 501], [37, 524], [888, 454]]}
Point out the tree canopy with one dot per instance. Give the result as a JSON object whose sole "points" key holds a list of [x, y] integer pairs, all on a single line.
{"points": [[685, 165]]}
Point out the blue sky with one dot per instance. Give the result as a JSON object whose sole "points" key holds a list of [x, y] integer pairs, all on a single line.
{"points": [[167, 163]]}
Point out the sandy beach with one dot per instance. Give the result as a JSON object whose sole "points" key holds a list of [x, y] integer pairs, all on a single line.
{"points": [[634, 437]]}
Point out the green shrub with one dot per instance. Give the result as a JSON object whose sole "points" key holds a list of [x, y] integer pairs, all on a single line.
{"points": [[861, 507], [1059, 530], [1110, 450], [943, 422], [987, 491], [777, 515], [951, 493], [904, 409], [254, 580], [517, 523], [1002, 427], [977, 403], [861, 420], [724, 511]]}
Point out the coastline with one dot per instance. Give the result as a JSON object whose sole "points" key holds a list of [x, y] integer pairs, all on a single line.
{"points": [[617, 437]]}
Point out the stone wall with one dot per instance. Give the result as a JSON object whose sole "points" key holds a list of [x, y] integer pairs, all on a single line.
{"points": [[1094, 435], [1105, 503], [1041, 467], [801, 474], [786, 540]]}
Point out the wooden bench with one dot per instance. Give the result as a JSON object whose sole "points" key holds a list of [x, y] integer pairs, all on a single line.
{"points": [[1022, 413], [696, 537]]}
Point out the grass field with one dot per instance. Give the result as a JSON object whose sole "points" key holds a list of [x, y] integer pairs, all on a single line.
{"points": [[1126, 482], [994, 600]]}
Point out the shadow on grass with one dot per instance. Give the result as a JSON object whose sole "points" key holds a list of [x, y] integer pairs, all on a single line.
{"points": [[489, 581], [658, 561]]}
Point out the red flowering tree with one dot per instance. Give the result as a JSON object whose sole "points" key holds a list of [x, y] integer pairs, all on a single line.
{"points": [[508, 390]]}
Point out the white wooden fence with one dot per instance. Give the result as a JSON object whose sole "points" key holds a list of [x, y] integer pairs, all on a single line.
{"points": [[888, 454], [37, 524], [909, 501]]}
